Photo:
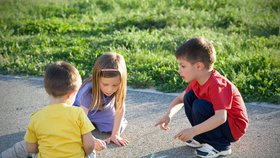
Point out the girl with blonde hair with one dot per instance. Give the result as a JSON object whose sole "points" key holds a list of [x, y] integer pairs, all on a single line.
{"points": [[102, 96]]}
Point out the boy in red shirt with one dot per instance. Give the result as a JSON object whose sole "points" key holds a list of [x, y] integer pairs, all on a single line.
{"points": [[213, 105]]}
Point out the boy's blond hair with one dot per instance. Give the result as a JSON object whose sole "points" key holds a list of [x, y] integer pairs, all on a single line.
{"points": [[61, 78], [197, 50]]}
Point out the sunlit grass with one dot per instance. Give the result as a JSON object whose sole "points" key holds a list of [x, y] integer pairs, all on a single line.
{"points": [[244, 33]]}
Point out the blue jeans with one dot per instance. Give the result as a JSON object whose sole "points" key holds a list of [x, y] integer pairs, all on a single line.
{"points": [[199, 110]]}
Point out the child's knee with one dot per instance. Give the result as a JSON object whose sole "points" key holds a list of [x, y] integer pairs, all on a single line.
{"points": [[189, 97], [189, 94], [202, 107]]}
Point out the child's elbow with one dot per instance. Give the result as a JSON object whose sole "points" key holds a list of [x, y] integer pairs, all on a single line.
{"points": [[88, 147], [88, 143], [32, 148], [223, 120], [221, 116]]}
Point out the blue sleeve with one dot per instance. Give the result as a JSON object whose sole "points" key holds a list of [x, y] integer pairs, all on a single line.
{"points": [[84, 96], [77, 100]]}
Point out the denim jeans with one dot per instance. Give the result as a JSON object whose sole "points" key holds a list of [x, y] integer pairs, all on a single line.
{"points": [[198, 111]]}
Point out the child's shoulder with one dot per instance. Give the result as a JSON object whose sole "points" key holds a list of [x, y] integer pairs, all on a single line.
{"points": [[76, 111], [72, 108], [86, 87], [36, 113], [40, 110], [76, 108], [39, 113], [218, 80]]}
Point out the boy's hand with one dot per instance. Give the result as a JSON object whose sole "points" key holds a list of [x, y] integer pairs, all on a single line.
{"points": [[99, 145], [163, 122], [185, 135]]}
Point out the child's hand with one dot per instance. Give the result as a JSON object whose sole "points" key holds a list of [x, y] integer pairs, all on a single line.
{"points": [[99, 145], [163, 122], [117, 140], [185, 135]]}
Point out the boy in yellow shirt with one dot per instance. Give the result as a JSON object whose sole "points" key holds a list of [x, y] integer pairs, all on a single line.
{"points": [[60, 129]]}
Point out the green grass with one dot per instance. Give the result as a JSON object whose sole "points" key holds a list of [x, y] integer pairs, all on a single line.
{"points": [[147, 33]]}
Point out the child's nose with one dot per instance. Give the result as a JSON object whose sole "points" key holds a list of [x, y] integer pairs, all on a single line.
{"points": [[179, 71]]}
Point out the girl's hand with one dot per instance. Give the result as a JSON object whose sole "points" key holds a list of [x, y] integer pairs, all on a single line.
{"points": [[163, 122], [117, 140], [185, 135], [99, 145]]}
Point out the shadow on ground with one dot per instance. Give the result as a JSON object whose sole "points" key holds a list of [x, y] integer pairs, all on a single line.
{"points": [[10, 140], [173, 152]]}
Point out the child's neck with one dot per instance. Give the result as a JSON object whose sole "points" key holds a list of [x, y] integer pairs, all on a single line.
{"points": [[57, 100], [204, 76]]}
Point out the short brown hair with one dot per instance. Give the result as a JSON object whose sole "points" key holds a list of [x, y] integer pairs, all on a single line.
{"points": [[197, 50], [60, 78]]}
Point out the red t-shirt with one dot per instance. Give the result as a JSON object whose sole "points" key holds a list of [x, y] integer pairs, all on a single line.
{"points": [[224, 95]]}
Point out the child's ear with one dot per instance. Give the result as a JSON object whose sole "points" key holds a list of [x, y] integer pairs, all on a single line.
{"points": [[71, 94], [199, 66]]}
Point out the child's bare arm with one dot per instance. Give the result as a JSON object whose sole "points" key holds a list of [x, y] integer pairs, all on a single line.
{"points": [[88, 143], [115, 136], [219, 118], [216, 120], [173, 108], [176, 105], [99, 145], [32, 147]]}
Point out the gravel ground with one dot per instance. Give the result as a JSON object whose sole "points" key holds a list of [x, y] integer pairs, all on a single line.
{"points": [[20, 96]]}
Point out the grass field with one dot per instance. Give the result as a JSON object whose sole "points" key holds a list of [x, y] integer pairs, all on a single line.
{"points": [[245, 34]]}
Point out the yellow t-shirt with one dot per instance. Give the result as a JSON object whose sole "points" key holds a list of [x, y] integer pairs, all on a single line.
{"points": [[58, 130]]}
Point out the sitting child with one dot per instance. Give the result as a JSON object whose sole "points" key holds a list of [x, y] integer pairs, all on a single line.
{"points": [[60, 129]]}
